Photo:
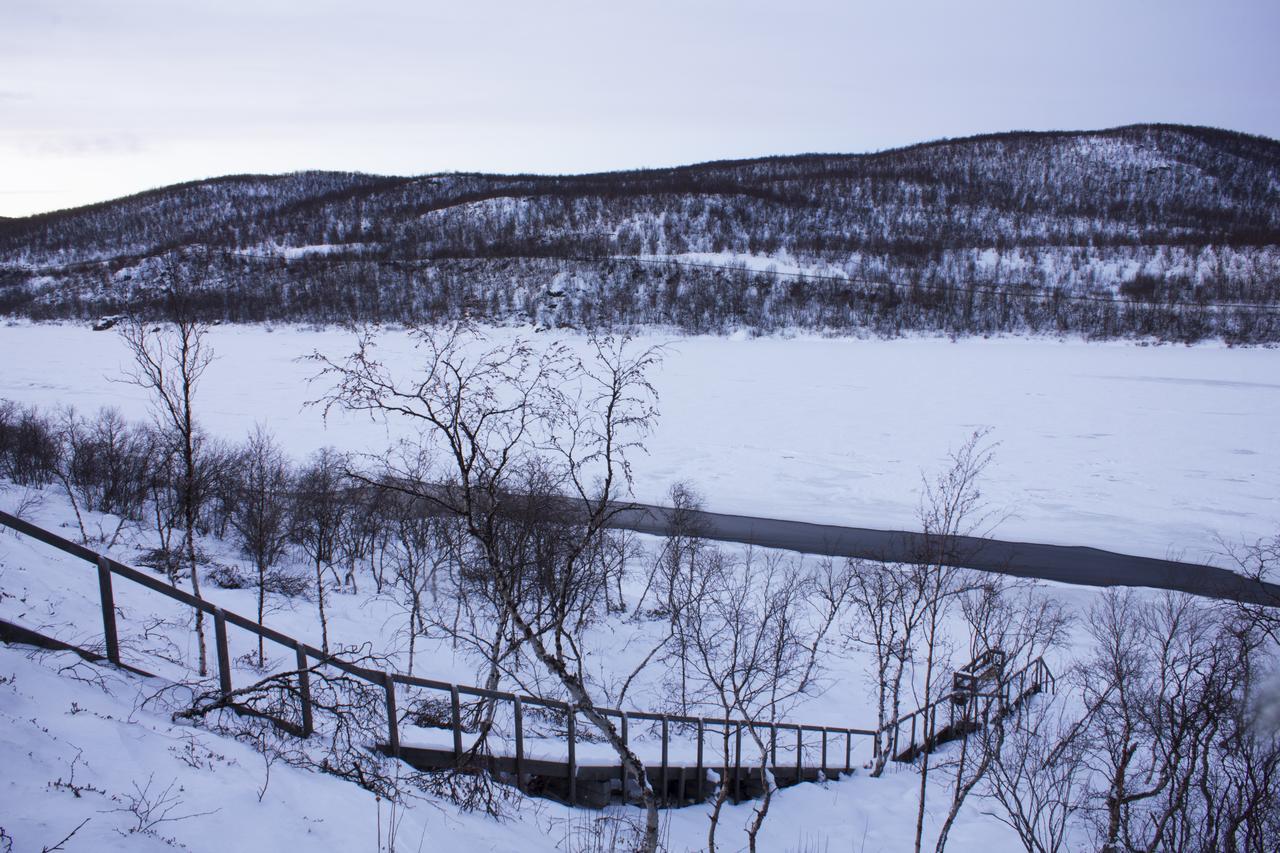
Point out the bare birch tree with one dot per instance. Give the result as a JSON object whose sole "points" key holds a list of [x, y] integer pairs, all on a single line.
{"points": [[531, 446], [169, 359], [259, 512], [951, 507], [319, 510]]}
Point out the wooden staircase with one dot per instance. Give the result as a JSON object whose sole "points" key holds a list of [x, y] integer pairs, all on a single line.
{"points": [[981, 691]]}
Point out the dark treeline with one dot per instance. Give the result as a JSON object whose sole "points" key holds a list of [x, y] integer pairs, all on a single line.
{"points": [[614, 293], [1023, 232]]}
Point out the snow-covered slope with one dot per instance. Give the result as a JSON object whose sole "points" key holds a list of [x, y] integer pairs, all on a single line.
{"points": [[89, 748]]}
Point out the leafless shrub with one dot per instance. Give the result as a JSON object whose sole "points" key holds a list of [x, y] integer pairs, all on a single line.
{"points": [[61, 845], [29, 448], [1036, 775], [152, 806], [603, 833], [69, 784], [226, 576]]}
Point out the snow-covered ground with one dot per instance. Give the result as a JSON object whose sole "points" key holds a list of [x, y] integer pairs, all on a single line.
{"points": [[1152, 450], [1142, 449], [57, 734], [86, 728]]}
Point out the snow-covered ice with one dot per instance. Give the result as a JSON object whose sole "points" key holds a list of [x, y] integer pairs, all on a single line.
{"points": [[1152, 450]]}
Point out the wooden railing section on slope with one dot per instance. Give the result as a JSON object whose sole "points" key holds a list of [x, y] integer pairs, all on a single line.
{"points": [[566, 781], [980, 691]]}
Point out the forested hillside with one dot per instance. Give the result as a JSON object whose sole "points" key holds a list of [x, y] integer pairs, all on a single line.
{"points": [[1166, 231]]}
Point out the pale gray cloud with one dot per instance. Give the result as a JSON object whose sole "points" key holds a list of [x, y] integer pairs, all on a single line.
{"points": [[411, 87]]}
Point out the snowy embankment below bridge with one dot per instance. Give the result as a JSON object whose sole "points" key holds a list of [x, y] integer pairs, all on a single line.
{"points": [[1150, 450]]}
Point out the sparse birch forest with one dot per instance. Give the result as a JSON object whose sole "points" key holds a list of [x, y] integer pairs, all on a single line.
{"points": [[1149, 231]]}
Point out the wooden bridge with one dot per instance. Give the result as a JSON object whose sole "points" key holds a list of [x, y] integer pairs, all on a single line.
{"points": [[796, 752]]}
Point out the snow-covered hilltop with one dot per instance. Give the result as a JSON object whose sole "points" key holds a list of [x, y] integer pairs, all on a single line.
{"points": [[1146, 230]]}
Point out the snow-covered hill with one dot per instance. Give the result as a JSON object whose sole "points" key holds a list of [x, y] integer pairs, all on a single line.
{"points": [[969, 235]]}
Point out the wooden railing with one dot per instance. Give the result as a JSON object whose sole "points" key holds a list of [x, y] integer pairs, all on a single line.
{"points": [[387, 681]]}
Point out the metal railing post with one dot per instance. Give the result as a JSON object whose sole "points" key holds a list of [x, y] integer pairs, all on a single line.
{"points": [[737, 764]]}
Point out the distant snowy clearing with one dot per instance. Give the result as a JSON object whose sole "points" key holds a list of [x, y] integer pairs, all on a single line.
{"points": [[1147, 450]]}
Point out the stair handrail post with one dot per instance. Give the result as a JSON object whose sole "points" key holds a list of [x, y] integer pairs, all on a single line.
{"points": [[824, 751]]}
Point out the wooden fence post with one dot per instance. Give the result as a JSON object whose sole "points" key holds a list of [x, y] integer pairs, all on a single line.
{"points": [[108, 611], [393, 719], [304, 689], [573, 756], [737, 764], [623, 771], [665, 763], [455, 706], [519, 715], [701, 771], [799, 754], [224, 654]]}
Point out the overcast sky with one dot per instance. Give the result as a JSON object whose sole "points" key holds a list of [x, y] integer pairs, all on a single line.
{"points": [[101, 99]]}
